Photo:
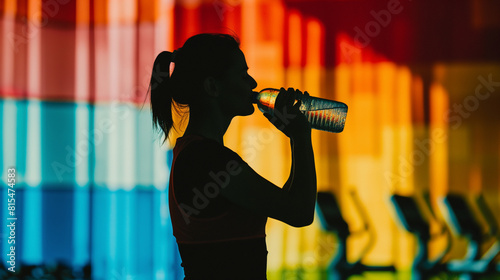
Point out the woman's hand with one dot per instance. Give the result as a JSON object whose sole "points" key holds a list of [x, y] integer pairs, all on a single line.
{"points": [[287, 116]]}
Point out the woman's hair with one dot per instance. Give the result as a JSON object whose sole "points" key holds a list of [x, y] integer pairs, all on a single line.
{"points": [[201, 56]]}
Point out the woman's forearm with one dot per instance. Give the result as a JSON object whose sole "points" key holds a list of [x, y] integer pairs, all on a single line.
{"points": [[302, 181]]}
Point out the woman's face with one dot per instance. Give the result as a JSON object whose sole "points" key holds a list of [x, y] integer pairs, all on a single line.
{"points": [[235, 88]]}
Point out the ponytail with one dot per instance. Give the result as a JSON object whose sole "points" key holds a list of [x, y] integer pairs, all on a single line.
{"points": [[161, 94]]}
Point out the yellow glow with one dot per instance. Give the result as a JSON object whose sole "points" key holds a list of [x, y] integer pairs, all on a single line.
{"points": [[376, 151], [292, 241]]}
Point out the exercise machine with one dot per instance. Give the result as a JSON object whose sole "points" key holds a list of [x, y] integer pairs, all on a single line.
{"points": [[460, 218], [410, 216], [331, 219]]}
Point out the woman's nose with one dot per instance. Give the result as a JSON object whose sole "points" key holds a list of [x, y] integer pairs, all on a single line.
{"points": [[253, 83]]}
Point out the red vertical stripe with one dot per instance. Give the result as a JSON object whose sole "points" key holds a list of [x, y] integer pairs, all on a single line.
{"points": [[187, 23]]}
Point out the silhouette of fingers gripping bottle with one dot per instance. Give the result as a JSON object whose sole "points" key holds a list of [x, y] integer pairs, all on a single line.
{"points": [[322, 114]]}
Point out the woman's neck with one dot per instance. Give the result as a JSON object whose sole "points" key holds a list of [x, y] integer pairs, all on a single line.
{"points": [[207, 122]]}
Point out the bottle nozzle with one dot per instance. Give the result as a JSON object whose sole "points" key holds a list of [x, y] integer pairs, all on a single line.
{"points": [[254, 96]]}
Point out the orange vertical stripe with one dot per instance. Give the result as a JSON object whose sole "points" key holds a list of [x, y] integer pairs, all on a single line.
{"points": [[83, 11], [101, 12], [9, 7], [148, 11], [35, 13], [439, 104], [315, 42]]}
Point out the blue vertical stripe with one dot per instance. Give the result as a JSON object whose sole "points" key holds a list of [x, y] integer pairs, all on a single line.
{"points": [[100, 233], [142, 234], [57, 230], [81, 225], [33, 225]]}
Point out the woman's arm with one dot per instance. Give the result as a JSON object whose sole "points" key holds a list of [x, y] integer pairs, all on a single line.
{"points": [[293, 203]]}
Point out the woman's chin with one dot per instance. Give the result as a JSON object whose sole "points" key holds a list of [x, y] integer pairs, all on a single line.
{"points": [[249, 111], [252, 109]]}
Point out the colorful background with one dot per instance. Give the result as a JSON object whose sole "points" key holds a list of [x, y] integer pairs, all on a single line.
{"points": [[421, 79]]}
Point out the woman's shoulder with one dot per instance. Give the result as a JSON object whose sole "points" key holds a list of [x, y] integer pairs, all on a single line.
{"points": [[196, 146]]}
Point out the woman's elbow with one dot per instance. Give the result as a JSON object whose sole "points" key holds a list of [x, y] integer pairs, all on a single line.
{"points": [[302, 221], [304, 224], [300, 214]]}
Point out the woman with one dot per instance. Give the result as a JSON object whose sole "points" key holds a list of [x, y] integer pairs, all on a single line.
{"points": [[218, 204]]}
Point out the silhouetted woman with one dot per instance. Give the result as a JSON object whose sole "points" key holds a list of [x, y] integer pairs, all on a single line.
{"points": [[218, 204]]}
